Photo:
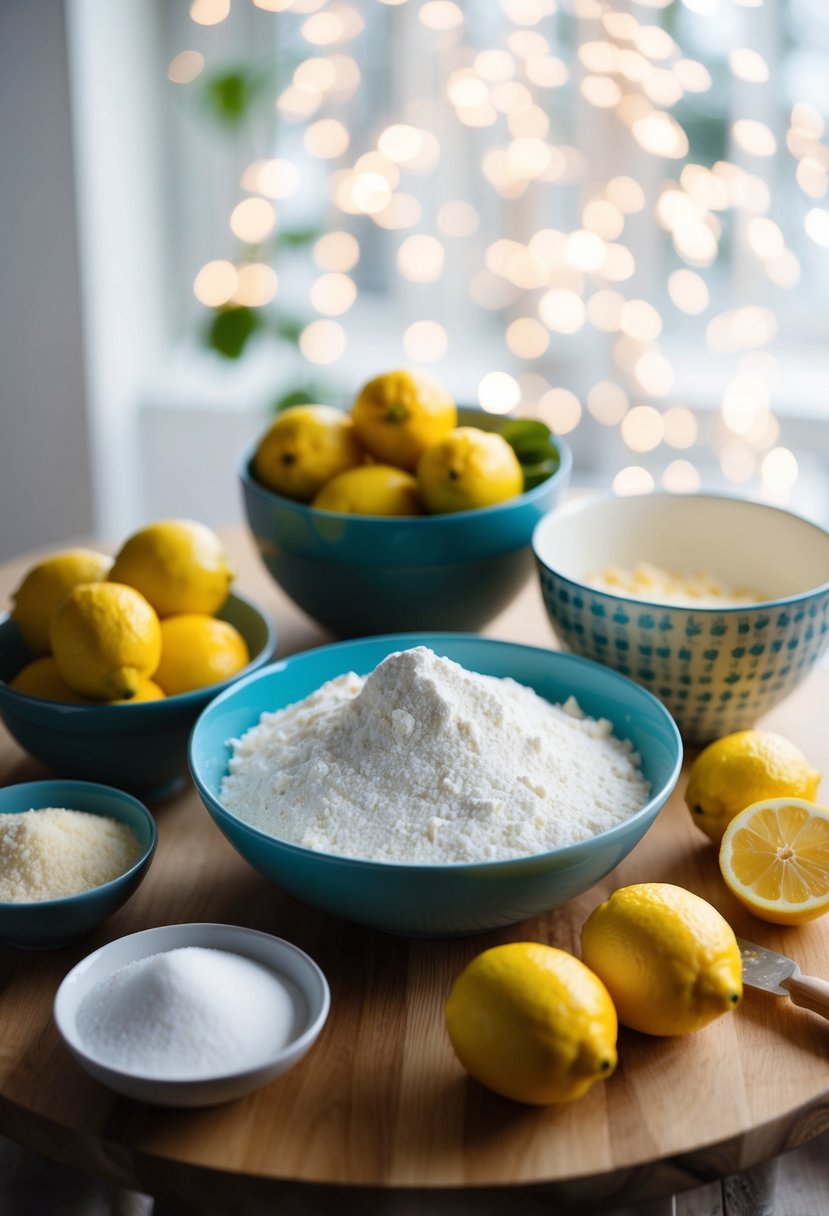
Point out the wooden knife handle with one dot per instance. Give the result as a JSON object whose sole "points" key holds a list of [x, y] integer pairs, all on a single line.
{"points": [[808, 992]]}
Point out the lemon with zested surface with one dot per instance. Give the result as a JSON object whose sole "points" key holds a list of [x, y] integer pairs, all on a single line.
{"points": [[304, 447], [36, 599], [774, 857], [399, 414], [197, 651], [467, 469], [532, 1023], [178, 565], [106, 640], [742, 768], [669, 960], [372, 489]]}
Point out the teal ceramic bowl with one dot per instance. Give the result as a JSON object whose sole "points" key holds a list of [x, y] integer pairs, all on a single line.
{"points": [[51, 923], [362, 574], [455, 898], [140, 747], [716, 669]]}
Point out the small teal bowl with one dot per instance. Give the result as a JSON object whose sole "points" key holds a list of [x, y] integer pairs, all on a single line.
{"points": [[716, 669], [50, 923], [438, 900], [368, 574], [141, 747]]}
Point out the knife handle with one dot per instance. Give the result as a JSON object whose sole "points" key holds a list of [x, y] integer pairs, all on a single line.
{"points": [[808, 992]]}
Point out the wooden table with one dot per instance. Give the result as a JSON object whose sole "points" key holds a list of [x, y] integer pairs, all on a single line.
{"points": [[380, 1105]]}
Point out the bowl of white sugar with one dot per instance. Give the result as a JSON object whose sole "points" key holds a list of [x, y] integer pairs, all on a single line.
{"points": [[71, 853], [192, 1015], [718, 605], [434, 783]]}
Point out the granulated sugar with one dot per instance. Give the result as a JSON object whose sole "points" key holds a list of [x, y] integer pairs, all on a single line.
{"points": [[189, 1013], [424, 761]]}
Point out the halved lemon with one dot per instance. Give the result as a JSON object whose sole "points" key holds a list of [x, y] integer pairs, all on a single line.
{"points": [[774, 857]]}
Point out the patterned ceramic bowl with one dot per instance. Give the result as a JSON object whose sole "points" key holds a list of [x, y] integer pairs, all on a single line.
{"points": [[716, 669]]}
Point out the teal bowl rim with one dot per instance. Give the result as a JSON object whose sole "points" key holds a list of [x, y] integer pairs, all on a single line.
{"points": [[527, 497], [94, 893], [406, 640], [608, 497], [164, 705]]}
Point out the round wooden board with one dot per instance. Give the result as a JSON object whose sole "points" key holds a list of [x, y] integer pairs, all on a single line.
{"points": [[381, 1102]]}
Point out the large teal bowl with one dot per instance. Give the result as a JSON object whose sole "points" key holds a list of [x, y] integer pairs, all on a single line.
{"points": [[438, 899], [362, 574], [50, 923], [141, 747], [716, 669]]}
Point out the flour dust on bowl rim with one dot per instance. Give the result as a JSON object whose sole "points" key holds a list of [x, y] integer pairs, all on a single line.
{"points": [[451, 898], [717, 668]]}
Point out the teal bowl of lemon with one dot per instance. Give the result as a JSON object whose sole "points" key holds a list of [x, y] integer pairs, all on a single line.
{"points": [[439, 898], [94, 860], [360, 574], [142, 746]]}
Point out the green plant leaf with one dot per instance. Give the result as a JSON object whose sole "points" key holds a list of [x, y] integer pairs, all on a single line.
{"points": [[230, 330], [295, 238], [289, 328], [295, 396], [534, 445]]}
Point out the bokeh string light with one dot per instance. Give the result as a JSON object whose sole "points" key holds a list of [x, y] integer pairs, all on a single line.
{"points": [[550, 175]]}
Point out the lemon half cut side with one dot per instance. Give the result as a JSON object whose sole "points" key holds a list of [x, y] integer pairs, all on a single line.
{"points": [[774, 858]]}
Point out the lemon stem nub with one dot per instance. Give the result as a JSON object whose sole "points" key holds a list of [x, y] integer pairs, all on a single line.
{"points": [[396, 414]]}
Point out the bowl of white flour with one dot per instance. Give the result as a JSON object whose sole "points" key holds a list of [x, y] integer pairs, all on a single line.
{"points": [[434, 783]]}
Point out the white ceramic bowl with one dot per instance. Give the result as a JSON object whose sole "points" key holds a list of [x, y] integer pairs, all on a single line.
{"points": [[285, 959], [716, 669]]}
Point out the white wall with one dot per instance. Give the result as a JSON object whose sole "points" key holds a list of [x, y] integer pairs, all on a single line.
{"points": [[44, 460]]}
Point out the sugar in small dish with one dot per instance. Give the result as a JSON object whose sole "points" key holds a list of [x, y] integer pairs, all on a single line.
{"points": [[191, 1015]]}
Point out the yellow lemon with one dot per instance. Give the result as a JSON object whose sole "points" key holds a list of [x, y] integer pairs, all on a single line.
{"points": [[43, 679], [106, 639], [532, 1023], [178, 565], [197, 651], [774, 857], [469, 468], [147, 690], [45, 585], [400, 414], [304, 447], [743, 768], [670, 961], [374, 489]]}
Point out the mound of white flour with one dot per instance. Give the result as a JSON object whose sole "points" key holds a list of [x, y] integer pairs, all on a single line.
{"points": [[424, 761]]}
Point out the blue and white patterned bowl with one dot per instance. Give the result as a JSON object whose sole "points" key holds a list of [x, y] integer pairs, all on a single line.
{"points": [[716, 669]]}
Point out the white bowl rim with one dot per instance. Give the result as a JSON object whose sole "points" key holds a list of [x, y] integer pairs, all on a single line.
{"points": [[529, 859], [606, 497], [199, 929]]}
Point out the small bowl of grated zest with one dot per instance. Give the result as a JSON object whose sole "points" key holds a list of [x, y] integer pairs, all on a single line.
{"points": [[434, 784], [71, 853], [191, 1015]]}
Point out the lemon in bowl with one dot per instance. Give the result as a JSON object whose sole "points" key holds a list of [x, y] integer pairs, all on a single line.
{"points": [[377, 573], [138, 744]]}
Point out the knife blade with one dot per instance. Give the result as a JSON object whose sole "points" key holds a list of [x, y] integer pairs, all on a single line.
{"points": [[773, 972]]}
